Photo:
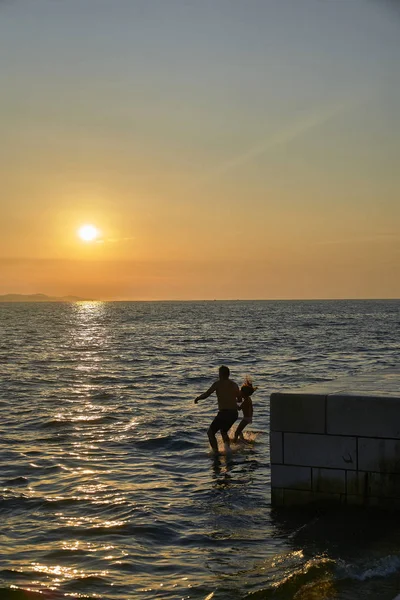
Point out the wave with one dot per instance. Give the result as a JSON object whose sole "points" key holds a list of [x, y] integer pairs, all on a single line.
{"points": [[154, 443], [311, 573], [104, 379], [29, 594], [23, 502], [55, 423], [88, 581], [300, 359], [153, 533], [102, 395], [89, 420], [383, 567], [11, 502], [322, 574], [16, 481], [15, 573], [166, 442]]}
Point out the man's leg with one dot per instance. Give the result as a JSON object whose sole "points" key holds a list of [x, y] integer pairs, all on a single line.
{"points": [[226, 439], [230, 418], [212, 439]]}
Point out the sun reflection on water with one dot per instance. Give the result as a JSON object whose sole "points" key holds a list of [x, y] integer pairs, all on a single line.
{"points": [[88, 330], [61, 573], [93, 522]]}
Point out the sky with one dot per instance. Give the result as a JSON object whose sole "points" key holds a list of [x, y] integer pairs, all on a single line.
{"points": [[224, 149]]}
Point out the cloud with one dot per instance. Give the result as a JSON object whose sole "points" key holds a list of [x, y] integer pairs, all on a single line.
{"points": [[280, 138], [373, 239], [115, 240]]}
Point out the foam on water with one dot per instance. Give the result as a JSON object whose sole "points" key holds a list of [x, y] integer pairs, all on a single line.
{"points": [[382, 567]]}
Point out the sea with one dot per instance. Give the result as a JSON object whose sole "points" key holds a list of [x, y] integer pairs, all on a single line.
{"points": [[108, 486]]}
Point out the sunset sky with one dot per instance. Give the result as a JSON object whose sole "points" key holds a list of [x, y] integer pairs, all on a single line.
{"points": [[223, 148]]}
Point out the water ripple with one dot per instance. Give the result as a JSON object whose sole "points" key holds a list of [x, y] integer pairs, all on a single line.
{"points": [[108, 488]]}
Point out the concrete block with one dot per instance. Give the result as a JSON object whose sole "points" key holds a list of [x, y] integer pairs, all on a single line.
{"points": [[297, 412], [329, 480], [277, 497], [357, 482], [379, 455], [389, 503], [373, 502], [302, 498], [355, 500], [328, 499], [368, 416], [330, 448], [295, 478], [297, 497], [383, 503], [337, 452], [386, 485], [276, 447]]}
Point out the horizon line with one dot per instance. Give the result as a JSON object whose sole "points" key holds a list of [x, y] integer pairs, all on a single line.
{"points": [[68, 299]]}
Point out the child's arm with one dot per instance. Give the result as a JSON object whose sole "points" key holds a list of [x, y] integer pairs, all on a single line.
{"points": [[239, 397], [207, 393]]}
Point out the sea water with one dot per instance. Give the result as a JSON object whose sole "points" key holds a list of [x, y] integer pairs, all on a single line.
{"points": [[108, 486]]}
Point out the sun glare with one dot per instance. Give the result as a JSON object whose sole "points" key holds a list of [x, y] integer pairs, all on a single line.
{"points": [[88, 233]]}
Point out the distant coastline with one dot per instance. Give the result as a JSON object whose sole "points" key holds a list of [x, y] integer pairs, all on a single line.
{"points": [[39, 298]]}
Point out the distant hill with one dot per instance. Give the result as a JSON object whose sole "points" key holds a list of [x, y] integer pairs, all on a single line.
{"points": [[38, 298]]}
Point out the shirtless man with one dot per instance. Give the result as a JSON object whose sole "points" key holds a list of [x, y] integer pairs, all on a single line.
{"points": [[228, 395]]}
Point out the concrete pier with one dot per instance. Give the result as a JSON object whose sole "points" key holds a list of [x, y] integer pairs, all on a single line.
{"points": [[338, 443]]}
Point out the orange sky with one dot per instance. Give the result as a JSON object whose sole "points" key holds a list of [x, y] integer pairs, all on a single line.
{"points": [[222, 152]]}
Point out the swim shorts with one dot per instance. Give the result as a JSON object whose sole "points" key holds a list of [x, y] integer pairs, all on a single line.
{"points": [[224, 420]]}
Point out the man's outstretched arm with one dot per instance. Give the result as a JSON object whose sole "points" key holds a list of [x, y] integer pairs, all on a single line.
{"points": [[206, 394]]}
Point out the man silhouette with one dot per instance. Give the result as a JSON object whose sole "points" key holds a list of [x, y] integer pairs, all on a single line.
{"points": [[228, 395]]}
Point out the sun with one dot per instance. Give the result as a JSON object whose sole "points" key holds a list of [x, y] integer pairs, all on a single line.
{"points": [[88, 233]]}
